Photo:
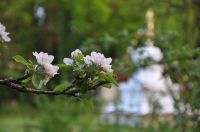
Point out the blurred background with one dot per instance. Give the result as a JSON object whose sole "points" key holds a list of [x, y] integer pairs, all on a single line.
{"points": [[108, 26]]}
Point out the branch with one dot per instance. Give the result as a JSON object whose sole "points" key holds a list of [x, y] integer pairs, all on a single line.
{"points": [[21, 88], [69, 91]]}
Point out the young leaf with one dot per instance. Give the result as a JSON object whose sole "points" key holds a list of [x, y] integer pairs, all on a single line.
{"points": [[107, 77], [111, 79], [107, 85], [79, 58], [20, 59], [62, 86], [27, 80], [36, 81], [63, 66]]}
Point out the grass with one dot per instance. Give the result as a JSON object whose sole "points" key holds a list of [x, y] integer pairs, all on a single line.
{"points": [[62, 116], [27, 124], [18, 124]]}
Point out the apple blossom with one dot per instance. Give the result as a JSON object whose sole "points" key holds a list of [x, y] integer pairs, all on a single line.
{"points": [[43, 58], [45, 61], [99, 59], [75, 53], [50, 71], [3, 34]]}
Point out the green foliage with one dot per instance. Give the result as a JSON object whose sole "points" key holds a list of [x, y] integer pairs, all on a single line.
{"points": [[110, 45], [36, 81], [29, 65], [107, 77], [31, 70], [62, 86], [20, 59], [74, 116]]}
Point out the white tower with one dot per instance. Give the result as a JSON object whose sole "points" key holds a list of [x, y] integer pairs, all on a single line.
{"points": [[147, 86]]}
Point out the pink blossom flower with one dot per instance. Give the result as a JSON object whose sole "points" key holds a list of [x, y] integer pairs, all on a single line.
{"points": [[45, 61], [50, 71], [68, 61], [99, 59], [3, 34], [43, 58], [75, 53]]}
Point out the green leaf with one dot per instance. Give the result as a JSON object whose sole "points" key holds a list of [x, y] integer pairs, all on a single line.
{"points": [[30, 65], [82, 74], [107, 77], [111, 79], [62, 86], [20, 59], [107, 85], [63, 66], [79, 58], [27, 80], [36, 81]]}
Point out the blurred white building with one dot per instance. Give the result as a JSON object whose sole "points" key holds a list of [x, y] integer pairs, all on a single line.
{"points": [[146, 92], [149, 85]]}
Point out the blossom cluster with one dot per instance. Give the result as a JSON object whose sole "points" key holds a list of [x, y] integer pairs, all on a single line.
{"points": [[95, 59], [44, 63], [3, 34], [45, 60], [74, 55], [90, 68], [99, 59]]}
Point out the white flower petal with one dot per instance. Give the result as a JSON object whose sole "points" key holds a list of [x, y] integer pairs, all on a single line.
{"points": [[99, 59], [50, 71], [108, 60], [43, 58], [75, 53], [68, 61], [3, 34], [87, 60], [107, 68]]}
